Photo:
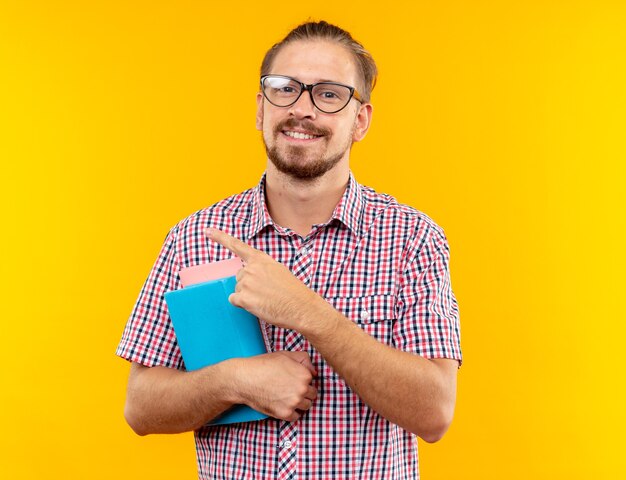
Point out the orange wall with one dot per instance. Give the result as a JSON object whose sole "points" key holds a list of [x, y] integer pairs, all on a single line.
{"points": [[503, 121]]}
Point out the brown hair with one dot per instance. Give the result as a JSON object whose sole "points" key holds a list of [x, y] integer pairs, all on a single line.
{"points": [[325, 31]]}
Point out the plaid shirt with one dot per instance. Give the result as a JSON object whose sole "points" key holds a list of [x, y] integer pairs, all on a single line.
{"points": [[382, 264]]}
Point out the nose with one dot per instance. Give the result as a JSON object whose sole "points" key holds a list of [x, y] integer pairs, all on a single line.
{"points": [[303, 108]]}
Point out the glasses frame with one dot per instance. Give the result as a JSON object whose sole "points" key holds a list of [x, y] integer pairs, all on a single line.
{"points": [[309, 88]]}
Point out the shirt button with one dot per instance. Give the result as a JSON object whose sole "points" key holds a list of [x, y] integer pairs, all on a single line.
{"points": [[365, 315], [287, 444]]}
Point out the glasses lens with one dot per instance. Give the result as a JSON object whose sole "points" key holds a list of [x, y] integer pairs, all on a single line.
{"points": [[330, 98], [281, 91]]}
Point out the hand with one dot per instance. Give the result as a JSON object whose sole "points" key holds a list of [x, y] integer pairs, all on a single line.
{"points": [[277, 384], [266, 288]]}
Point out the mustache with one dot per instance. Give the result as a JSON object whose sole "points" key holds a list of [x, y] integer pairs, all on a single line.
{"points": [[307, 125]]}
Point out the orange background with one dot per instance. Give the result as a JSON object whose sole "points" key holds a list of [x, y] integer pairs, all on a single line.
{"points": [[503, 121]]}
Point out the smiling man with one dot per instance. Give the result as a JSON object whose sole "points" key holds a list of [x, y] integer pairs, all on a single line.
{"points": [[353, 287]]}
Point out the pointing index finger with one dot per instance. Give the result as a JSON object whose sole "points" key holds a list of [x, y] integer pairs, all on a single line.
{"points": [[239, 248]]}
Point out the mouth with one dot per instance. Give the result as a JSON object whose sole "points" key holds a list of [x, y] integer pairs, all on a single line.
{"points": [[300, 136]]}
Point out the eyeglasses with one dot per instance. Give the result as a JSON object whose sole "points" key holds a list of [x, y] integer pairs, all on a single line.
{"points": [[328, 97]]}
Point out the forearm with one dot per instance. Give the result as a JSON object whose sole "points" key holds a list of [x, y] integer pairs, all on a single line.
{"points": [[165, 400], [408, 390]]}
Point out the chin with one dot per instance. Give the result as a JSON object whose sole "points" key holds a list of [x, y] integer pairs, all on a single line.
{"points": [[303, 169]]}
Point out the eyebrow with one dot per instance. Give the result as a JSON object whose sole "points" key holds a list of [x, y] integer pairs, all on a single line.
{"points": [[322, 80], [325, 81]]}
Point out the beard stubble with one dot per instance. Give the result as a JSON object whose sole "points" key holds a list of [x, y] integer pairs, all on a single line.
{"points": [[294, 162]]}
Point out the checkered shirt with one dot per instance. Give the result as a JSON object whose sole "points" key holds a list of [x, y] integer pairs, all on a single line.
{"points": [[381, 264]]}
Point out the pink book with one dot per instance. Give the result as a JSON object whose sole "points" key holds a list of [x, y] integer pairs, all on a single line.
{"points": [[210, 271]]}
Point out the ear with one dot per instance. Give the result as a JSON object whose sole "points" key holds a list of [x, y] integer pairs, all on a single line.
{"points": [[259, 111], [363, 121]]}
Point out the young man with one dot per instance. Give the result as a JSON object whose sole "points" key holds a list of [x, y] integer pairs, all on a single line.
{"points": [[354, 289]]}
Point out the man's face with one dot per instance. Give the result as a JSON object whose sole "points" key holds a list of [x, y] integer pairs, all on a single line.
{"points": [[328, 137]]}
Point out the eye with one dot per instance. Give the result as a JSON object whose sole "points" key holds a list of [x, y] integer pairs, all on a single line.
{"points": [[331, 94], [281, 86], [286, 89], [328, 95]]}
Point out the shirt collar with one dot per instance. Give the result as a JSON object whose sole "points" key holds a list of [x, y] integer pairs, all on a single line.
{"points": [[349, 211], [259, 215]]}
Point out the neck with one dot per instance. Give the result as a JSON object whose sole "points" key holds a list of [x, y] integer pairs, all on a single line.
{"points": [[300, 204]]}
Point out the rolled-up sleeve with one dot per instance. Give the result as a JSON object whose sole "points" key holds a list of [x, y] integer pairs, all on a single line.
{"points": [[149, 337], [428, 315]]}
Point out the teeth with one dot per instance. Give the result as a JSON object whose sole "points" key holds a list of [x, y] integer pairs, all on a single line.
{"points": [[300, 136]]}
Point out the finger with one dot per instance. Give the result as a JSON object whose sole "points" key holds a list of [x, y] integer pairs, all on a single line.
{"points": [[310, 367], [303, 359], [296, 355], [239, 248], [239, 274], [311, 393], [304, 404], [234, 299], [293, 417]]}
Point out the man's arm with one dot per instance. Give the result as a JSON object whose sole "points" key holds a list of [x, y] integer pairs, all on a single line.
{"points": [[411, 391], [166, 400], [416, 393]]}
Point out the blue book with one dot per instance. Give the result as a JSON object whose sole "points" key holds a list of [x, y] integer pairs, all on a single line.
{"points": [[209, 330]]}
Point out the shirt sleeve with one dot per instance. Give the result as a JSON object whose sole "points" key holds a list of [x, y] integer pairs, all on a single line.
{"points": [[149, 337], [428, 314]]}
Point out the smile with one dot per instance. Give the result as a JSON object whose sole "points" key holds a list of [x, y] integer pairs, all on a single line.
{"points": [[300, 135]]}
